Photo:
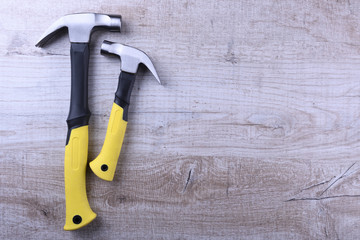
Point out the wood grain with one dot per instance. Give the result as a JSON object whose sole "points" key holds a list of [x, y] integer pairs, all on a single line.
{"points": [[255, 133]]}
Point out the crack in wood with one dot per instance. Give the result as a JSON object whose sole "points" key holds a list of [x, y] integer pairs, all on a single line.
{"points": [[187, 181], [45, 212], [33, 53], [322, 198], [317, 184], [336, 180], [228, 182]]}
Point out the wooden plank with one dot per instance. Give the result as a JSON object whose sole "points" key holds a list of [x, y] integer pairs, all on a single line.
{"points": [[253, 135]]}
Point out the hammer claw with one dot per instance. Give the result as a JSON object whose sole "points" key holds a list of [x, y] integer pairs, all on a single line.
{"points": [[51, 32], [147, 62]]}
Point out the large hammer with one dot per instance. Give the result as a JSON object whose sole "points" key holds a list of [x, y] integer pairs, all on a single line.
{"points": [[80, 26]]}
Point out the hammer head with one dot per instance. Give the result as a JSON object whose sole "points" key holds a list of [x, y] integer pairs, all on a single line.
{"points": [[80, 26], [130, 57]]}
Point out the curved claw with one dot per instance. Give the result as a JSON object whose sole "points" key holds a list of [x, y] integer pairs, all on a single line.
{"points": [[130, 57], [51, 32], [147, 62]]}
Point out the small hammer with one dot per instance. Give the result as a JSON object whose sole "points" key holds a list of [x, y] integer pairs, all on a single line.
{"points": [[105, 163], [80, 26]]}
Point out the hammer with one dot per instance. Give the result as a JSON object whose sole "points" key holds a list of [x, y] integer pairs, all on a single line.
{"points": [[80, 26], [105, 163]]}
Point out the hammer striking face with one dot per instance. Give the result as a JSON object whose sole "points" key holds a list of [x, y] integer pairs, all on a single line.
{"points": [[80, 26], [105, 164]]}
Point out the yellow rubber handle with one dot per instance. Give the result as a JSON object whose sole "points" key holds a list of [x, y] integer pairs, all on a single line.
{"points": [[104, 165], [78, 211]]}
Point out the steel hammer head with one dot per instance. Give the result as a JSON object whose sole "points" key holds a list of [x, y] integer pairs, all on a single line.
{"points": [[80, 26], [130, 57]]}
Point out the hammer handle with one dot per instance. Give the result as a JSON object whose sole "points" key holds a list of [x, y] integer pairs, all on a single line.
{"points": [[78, 211], [79, 113], [104, 165]]}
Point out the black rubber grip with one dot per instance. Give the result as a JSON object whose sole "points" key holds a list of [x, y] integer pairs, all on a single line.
{"points": [[123, 92], [79, 113]]}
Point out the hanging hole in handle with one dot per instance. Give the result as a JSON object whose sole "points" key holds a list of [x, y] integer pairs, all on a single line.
{"points": [[77, 219], [104, 167]]}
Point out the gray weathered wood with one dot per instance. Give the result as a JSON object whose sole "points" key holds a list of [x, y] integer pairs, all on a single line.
{"points": [[255, 133]]}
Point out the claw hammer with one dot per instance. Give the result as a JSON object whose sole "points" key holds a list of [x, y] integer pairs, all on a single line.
{"points": [[80, 26], [104, 164]]}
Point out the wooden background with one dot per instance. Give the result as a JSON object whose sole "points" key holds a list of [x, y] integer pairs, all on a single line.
{"points": [[255, 133]]}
